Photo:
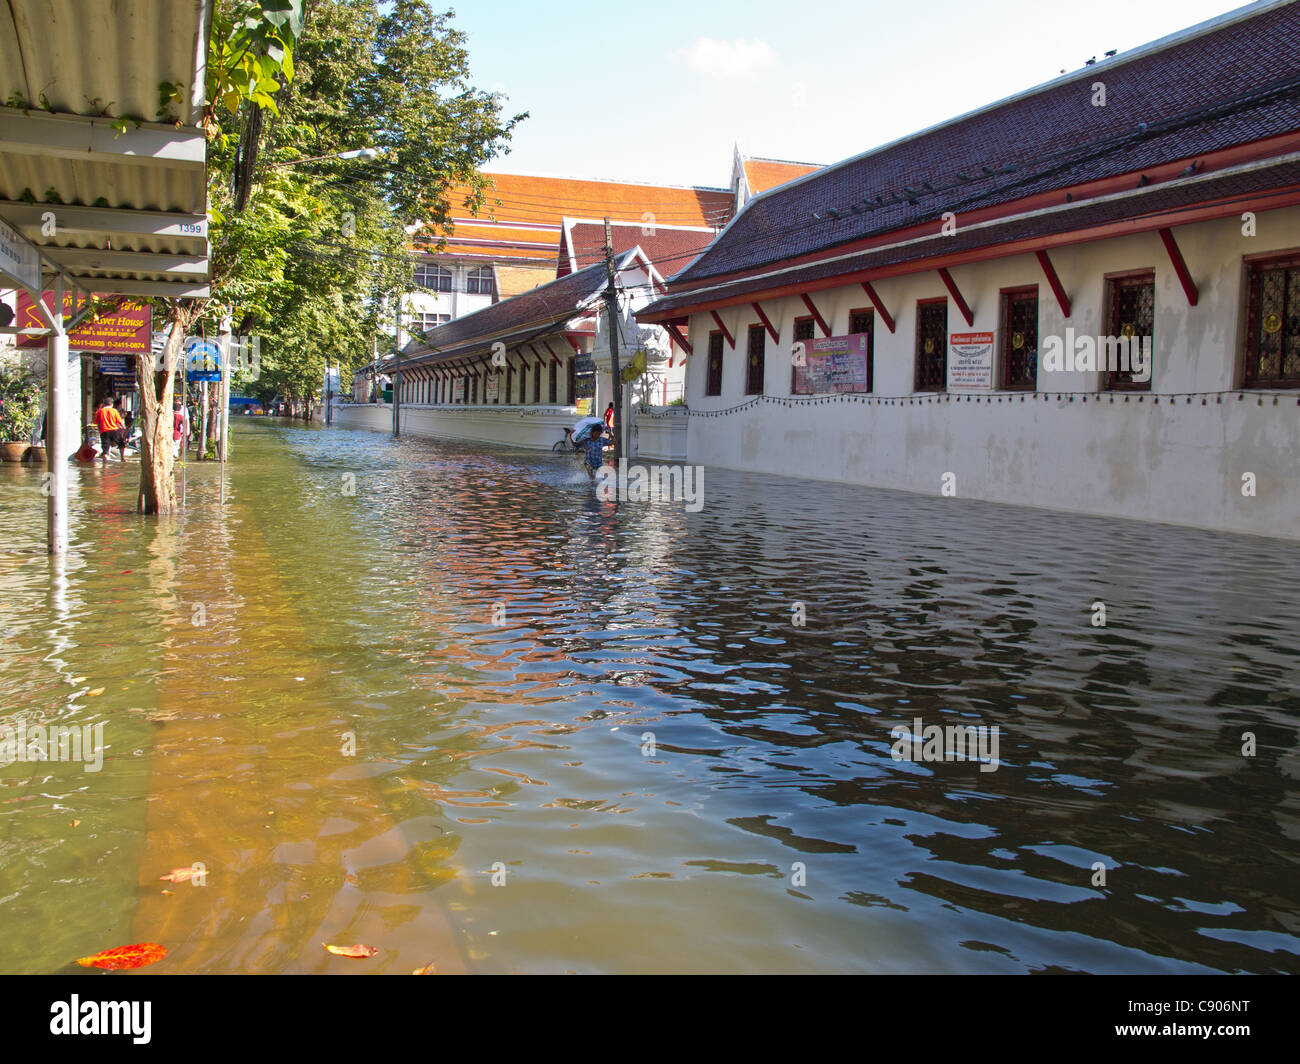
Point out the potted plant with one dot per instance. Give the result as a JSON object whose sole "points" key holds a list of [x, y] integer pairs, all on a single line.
{"points": [[20, 408]]}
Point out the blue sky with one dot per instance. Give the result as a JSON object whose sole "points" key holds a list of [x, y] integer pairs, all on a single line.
{"points": [[660, 91]]}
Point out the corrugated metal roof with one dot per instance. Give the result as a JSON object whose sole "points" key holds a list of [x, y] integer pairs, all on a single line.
{"points": [[70, 69]]}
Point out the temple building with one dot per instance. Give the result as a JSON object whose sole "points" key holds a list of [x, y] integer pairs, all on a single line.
{"points": [[1084, 297]]}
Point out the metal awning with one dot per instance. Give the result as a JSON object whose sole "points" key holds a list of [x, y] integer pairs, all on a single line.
{"points": [[111, 194]]}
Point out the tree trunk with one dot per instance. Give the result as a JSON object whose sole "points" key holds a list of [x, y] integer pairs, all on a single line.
{"points": [[157, 486]]}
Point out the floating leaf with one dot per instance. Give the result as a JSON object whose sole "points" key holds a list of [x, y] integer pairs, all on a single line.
{"points": [[136, 956], [428, 969], [182, 875], [352, 951], [169, 892], [75, 823], [96, 691]]}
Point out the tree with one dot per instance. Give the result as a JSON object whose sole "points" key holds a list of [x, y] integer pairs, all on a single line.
{"points": [[250, 50]]}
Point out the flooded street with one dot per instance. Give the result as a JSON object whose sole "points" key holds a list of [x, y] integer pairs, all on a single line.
{"points": [[438, 698]]}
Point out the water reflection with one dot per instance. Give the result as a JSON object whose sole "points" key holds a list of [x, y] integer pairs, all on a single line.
{"points": [[609, 708]]}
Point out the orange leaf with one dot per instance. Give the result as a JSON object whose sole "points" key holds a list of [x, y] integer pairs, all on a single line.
{"points": [[136, 956], [428, 969], [75, 823], [352, 951], [96, 691], [182, 875]]}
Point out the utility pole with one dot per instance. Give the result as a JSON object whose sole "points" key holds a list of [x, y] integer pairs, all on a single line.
{"points": [[397, 370], [611, 312]]}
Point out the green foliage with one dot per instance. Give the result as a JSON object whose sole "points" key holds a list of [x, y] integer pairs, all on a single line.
{"points": [[20, 405], [311, 262], [250, 50]]}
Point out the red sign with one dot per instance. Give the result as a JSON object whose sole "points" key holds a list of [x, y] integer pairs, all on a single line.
{"points": [[127, 330]]}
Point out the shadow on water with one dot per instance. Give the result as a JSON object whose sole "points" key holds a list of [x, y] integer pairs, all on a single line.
{"points": [[667, 734]]}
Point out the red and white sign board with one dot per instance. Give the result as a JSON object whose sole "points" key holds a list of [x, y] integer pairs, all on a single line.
{"points": [[970, 361]]}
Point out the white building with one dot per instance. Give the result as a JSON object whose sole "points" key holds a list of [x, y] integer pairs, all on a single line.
{"points": [[933, 283]]}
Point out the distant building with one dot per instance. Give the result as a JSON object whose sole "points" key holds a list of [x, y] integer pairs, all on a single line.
{"points": [[1083, 297], [752, 174]]}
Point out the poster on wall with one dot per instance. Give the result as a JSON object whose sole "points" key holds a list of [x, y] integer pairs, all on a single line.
{"points": [[834, 364], [970, 360], [491, 387], [458, 390]]}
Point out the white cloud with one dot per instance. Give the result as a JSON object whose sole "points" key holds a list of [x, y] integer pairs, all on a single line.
{"points": [[727, 59]]}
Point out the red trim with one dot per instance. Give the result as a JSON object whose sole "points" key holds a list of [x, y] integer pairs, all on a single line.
{"points": [[1054, 282], [957, 297], [817, 314], [726, 333], [1180, 266], [758, 309], [879, 304], [1222, 208], [676, 333]]}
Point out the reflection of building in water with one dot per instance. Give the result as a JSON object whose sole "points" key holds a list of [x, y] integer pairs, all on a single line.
{"points": [[998, 265]]}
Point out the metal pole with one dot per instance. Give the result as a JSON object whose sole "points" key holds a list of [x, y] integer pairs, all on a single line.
{"points": [[203, 423], [223, 399], [56, 450], [397, 371], [611, 312]]}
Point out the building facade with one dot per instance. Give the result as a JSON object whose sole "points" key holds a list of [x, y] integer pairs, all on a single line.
{"points": [[1086, 297]]}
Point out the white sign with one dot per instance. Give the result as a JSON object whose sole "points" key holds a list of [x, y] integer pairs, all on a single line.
{"points": [[19, 258], [970, 360], [458, 390], [491, 388]]}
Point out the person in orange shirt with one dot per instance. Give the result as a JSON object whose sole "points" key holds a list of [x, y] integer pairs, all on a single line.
{"points": [[112, 430]]}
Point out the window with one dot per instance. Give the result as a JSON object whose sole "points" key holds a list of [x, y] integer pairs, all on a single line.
{"points": [[523, 383], [479, 280], [803, 333], [473, 388], [931, 345], [510, 383], [554, 398], [1020, 338], [433, 277], [714, 384], [572, 381], [424, 322], [863, 323], [537, 383], [754, 366], [1273, 325], [1131, 299]]}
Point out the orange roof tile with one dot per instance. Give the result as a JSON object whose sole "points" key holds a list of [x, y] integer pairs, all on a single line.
{"points": [[762, 174]]}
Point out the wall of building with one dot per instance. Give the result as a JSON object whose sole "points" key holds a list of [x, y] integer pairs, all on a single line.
{"points": [[660, 436], [534, 427], [1170, 457]]}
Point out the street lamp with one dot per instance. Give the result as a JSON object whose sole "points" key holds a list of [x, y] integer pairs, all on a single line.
{"points": [[356, 153]]}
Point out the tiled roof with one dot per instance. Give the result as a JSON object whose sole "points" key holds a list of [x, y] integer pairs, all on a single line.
{"points": [[1232, 81], [763, 174], [532, 313], [515, 280], [1155, 207], [668, 249], [526, 199]]}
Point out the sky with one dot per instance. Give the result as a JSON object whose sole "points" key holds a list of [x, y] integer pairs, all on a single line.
{"points": [[660, 91]]}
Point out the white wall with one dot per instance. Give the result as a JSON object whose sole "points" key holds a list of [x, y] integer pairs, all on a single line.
{"points": [[536, 428], [1153, 460]]}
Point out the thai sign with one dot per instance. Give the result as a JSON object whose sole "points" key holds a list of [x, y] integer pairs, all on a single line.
{"points": [[835, 364], [202, 359], [116, 366], [18, 257], [491, 387], [126, 330], [970, 360], [458, 390]]}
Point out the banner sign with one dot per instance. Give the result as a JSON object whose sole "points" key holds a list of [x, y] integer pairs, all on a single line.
{"points": [[458, 390], [126, 330], [18, 258], [835, 364], [202, 359], [970, 360], [491, 387]]}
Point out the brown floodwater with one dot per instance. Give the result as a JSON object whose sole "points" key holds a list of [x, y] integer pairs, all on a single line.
{"points": [[440, 699]]}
